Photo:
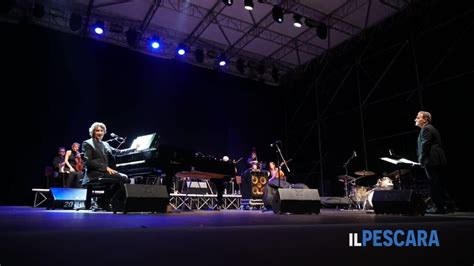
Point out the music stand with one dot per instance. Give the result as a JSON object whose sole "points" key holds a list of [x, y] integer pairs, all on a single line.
{"points": [[400, 163]]}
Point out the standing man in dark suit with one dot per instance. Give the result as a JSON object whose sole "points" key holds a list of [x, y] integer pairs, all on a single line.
{"points": [[432, 158], [100, 160]]}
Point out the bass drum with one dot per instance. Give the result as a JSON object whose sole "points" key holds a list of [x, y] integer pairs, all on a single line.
{"points": [[368, 202]]}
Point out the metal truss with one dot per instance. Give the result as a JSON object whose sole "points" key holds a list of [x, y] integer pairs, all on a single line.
{"points": [[334, 21], [250, 31], [295, 44], [57, 17]]}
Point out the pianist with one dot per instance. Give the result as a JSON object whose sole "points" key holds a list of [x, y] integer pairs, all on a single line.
{"points": [[99, 160]]}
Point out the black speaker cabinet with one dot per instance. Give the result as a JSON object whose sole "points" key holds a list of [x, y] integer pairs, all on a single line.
{"points": [[140, 198], [405, 202], [293, 200]]}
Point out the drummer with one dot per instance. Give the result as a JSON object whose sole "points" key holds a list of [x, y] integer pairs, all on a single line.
{"points": [[252, 161], [275, 172]]}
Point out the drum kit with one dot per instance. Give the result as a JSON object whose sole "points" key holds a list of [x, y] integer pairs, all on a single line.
{"points": [[361, 195]]}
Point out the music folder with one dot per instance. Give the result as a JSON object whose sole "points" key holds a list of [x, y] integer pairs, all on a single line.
{"points": [[399, 161]]}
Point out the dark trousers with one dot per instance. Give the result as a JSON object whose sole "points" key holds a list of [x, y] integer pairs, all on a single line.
{"points": [[438, 183], [110, 188], [73, 179]]}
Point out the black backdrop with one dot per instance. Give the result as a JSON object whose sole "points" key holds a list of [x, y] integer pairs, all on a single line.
{"points": [[59, 84]]}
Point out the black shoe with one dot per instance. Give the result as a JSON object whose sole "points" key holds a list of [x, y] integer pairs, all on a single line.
{"points": [[218, 208]]}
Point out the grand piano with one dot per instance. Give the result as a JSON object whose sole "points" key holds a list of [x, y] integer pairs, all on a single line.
{"points": [[169, 161]]}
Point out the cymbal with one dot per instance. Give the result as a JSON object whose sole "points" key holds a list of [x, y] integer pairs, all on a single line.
{"points": [[396, 174], [342, 178], [364, 173]]}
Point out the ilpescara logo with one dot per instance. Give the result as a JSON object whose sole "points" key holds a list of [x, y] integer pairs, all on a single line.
{"points": [[397, 238]]}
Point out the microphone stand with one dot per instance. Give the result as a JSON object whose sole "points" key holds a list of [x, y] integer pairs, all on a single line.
{"points": [[278, 163], [346, 176]]}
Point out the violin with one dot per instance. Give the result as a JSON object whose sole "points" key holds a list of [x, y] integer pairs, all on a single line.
{"points": [[79, 163]]}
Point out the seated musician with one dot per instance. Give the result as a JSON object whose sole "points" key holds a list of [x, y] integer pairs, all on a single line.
{"points": [[73, 166], [253, 166], [275, 172], [58, 167], [252, 161], [99, 159]]}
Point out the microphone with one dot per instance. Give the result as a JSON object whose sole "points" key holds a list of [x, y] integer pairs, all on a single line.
{"points": [[113, 135], [354, 154], [274, 143]]}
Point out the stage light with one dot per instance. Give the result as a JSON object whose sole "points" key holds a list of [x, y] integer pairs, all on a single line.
{"points": [[297, 22], [211, 54], [155, 42], [199, 55], [322, 31], [241, 65], [249, 4], [75, 22], [99, 27], [222, 60], [277, 14], [228, 2], [132, 37], [181, 49]]}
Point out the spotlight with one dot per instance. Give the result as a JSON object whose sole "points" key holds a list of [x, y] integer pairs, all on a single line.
{"points": [[132, 37], [181, 49], [241, 65], [297, 19], [322, 31], [249, 4], [222, 60], [99, 27], [75, 22], [277, 14], [211, 54], [155, 42], [199, 55], [228, 2], [38, 11]]}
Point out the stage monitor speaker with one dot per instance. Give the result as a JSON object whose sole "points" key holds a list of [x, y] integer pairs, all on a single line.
{"points": [[293, 200], [140, 198], [405, 202], [67, 198]]}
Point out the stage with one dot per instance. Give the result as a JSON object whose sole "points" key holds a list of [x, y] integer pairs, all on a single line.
{"points": [[36, 236]]}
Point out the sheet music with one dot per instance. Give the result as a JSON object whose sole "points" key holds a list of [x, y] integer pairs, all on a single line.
{"points": [[399, 161], [143, 142]]}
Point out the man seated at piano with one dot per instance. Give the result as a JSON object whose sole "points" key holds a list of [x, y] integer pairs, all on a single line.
{"points": [[99, 159]]}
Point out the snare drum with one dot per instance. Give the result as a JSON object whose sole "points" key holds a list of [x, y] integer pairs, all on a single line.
{"points": [[359, 193]]}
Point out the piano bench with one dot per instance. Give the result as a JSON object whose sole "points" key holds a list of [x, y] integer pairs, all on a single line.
{"points": [[97, 184]]}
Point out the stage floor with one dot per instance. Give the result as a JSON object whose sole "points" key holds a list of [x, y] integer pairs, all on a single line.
{"points": [[36, 236]]}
